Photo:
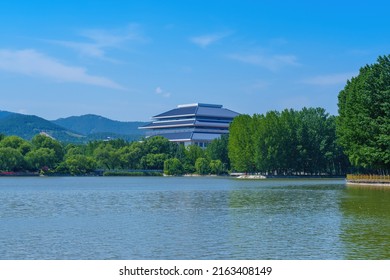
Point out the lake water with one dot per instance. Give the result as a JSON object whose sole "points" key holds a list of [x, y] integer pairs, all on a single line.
{"points": [[191, 218]]}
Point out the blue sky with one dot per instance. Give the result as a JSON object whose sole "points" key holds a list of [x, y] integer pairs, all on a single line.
{"points": [[129, 60]]}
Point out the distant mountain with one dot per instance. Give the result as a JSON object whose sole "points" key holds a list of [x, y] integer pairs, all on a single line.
{"points": [[72, 130], [98, 126], [27, 126], [4, 114]]}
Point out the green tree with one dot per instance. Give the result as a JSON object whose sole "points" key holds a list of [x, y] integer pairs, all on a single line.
{"points": [[315, 139], [173, 166], [17, 143], [72, 149], [218, 150], [260, 150], [80, 164], [272, 138], [153, 161], [336, 160], [217, 167], [241, 145], [202, 166], [193, 152], [42, 141], [130, 156], [107, 157], [10, 159], [157, 145], [41, 158], [363, 125]]}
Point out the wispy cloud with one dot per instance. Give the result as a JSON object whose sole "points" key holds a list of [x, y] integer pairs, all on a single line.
{"points": [[270, 62], [330, 79], [32, 63], [208, 39], [96, 42], [161, 92]]}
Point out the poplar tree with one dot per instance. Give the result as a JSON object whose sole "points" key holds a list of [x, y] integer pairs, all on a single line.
{"points": [[241, 146]]}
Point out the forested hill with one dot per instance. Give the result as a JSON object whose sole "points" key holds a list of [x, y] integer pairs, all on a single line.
{"points": [[27, 126], [94, 124], [72, 130]]}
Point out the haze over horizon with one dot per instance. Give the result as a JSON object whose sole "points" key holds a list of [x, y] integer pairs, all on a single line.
{"points": [[130, 60]]}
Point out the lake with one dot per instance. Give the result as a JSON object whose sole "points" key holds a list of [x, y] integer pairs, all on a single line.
{"points": [[191, 218]]}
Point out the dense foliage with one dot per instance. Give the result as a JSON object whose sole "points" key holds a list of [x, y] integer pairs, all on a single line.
{"points": [[363, 126], [116, 157], [286, 143]]}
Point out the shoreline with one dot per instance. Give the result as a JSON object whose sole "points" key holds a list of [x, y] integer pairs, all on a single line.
{"points": [[367, 183], [262, 177]]}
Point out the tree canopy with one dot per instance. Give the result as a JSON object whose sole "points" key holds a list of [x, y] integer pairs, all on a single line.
{"points": [[286, 143], [363, 126], [46, 155]]}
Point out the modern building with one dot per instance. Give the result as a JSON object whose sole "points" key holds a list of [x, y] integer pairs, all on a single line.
{"points": [[197, 123]]}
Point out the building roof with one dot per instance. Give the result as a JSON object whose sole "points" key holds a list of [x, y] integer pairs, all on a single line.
{"points": [[177, 112], [198, 109]]}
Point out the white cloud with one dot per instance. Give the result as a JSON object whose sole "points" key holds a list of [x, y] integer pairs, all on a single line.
{"points": [[161, 92], [329, 80], [32, 63], [208, 39], [96, 42], [270, 62], [88, 49]]}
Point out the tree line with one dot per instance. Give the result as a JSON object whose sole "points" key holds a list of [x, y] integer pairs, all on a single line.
{"points": [[287, 143], [117, 157], [277, 143]]}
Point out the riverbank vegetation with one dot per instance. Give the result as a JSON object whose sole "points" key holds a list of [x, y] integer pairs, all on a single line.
{"points": [[287, 143], [149, 157]]}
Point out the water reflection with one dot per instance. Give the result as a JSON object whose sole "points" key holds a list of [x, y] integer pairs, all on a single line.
{"points": [[365, 227], [286, 222]]}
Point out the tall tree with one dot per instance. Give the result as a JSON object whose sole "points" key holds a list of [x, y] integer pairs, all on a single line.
{"points": [[241, 146], [363, 125], [218, 150]]}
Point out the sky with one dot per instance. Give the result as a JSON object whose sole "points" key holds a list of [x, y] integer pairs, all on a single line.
{"points": [[130, 60]]}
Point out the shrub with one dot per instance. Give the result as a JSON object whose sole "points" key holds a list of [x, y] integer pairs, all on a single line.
{"points": [[173, 166]]}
